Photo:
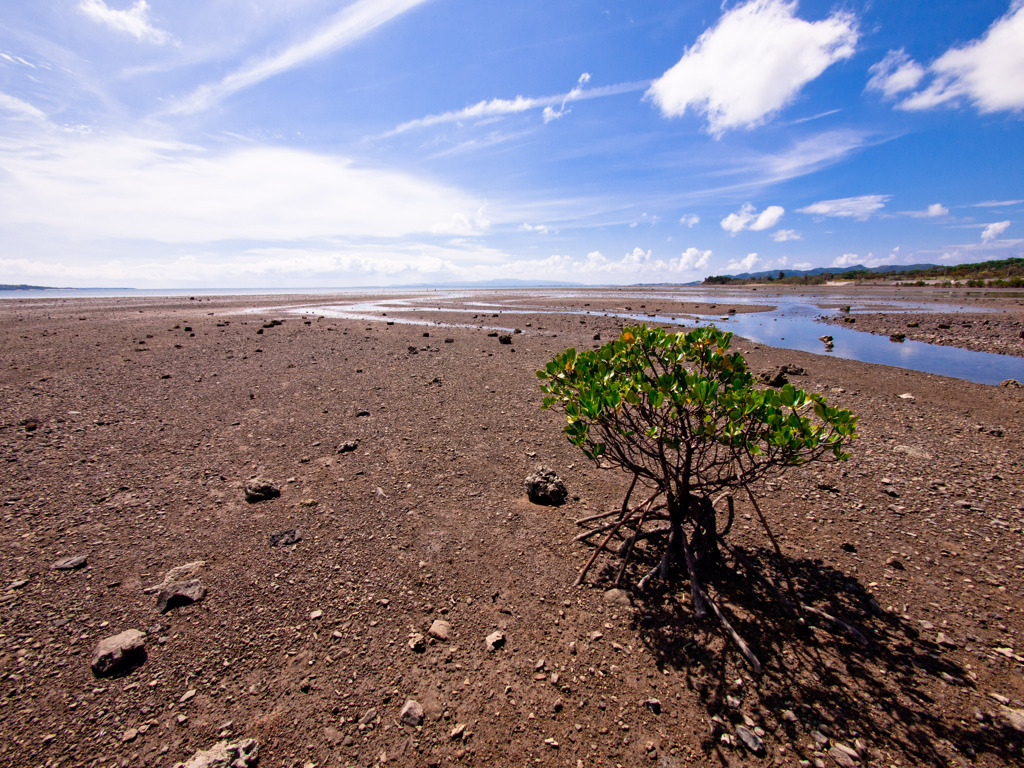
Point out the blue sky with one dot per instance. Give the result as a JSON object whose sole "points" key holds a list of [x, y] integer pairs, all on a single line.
{"points": [[254, 143]]}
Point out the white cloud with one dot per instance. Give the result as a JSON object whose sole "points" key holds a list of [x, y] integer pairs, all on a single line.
{"points": [[848, 207], [692, 258], [123, 187], [746, 218], [847, 260], [21, 110], [785, 235], [134, 21], [937, 209], [752, 64], [894, 74], [550, 113], [690, 220], [988, 72], [994, 230], [542, 229], [997, 203], [347, 26], [745, 264], [500, 107]]}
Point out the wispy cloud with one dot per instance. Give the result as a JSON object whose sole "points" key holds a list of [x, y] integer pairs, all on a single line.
{"points": [[997, 203], [933, 211], [133, 21], [20, 109], [500, 107], [987, 72], [848, 207], [349, 25], [752, 64], [550, 113], [690, 220], [785, 235]]}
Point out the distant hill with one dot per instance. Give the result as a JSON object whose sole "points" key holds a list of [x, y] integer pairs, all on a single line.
{"points": [[504, 282], [23, 287], [1002, 272]]}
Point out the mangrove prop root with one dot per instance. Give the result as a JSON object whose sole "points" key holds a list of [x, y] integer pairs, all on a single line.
{"points": [[700, 611], [733, 635]]}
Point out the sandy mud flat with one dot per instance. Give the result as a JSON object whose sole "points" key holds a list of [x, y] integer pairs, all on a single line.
{"points": [[129, 429]]}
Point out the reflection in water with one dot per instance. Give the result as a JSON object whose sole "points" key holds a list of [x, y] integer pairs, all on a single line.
{"points": [[791, 324]]}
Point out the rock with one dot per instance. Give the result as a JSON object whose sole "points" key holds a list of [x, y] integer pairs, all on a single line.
{"points": [[418, 643], [779, 377], [18, 584], [315, 615], [1010, 384], [848, 547], [348, 447], [895, 564], [617, 596], [70, 563], [178, 573], [412, 713], [122, 652], [750, 739], [906, 396], [654, 705], [239, 754], [898, 337], [180, 593], [369, 716], [825, 339], [1013, 717], [285, 538], [546, 487], [258, 489], [844, 756], [495, 640], [505, 338], [440, 630]]}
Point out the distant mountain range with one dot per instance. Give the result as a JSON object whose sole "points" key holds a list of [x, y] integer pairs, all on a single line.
{"points": [[833, 271]]}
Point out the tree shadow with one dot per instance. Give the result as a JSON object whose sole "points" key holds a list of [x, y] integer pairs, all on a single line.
{"points": [[891, 691]]}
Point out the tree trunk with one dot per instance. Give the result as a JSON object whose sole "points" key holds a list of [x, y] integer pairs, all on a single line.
{"points": [[705, 534]]}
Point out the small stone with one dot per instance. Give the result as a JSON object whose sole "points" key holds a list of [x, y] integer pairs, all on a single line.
{"points": [[1013, 717], [418, 643], [844, 756], [820, 739], [285, 538], [944, 640], [70, 563], [790, 716], [617, 596], [180, 593], [187, 696], [175, 574], [348, 447], [458, 731], [895, 564], [732, 702], [505, 338], [907, 396], [240, 754], [545, 487], [18, 584], [412, 713], [1010, 384], [317, 614], [654, 705], [118, 653], [495, 640], [259, 489], [750, 739], [369, 716], [552, 743], [129, 735], [440, 630]]}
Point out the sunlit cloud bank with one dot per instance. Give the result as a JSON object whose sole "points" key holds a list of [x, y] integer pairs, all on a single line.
{"points": [[126, 187]]}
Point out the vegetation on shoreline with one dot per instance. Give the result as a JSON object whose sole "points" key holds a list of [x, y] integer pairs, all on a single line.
{"points": [[1000, 273]]}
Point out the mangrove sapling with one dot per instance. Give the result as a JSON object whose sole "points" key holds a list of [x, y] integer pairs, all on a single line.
{"points": [[684, 418]]}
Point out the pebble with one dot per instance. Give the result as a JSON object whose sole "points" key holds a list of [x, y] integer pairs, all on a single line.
{"points": [[129, 735], [314, 615], [440, 630], [188, 695], [240, 754], [70, 563], [412, 713], [495, 640], [180, 593], [844, 756], [750, 740], [417, 643], [259, 489], [118, 652]]}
